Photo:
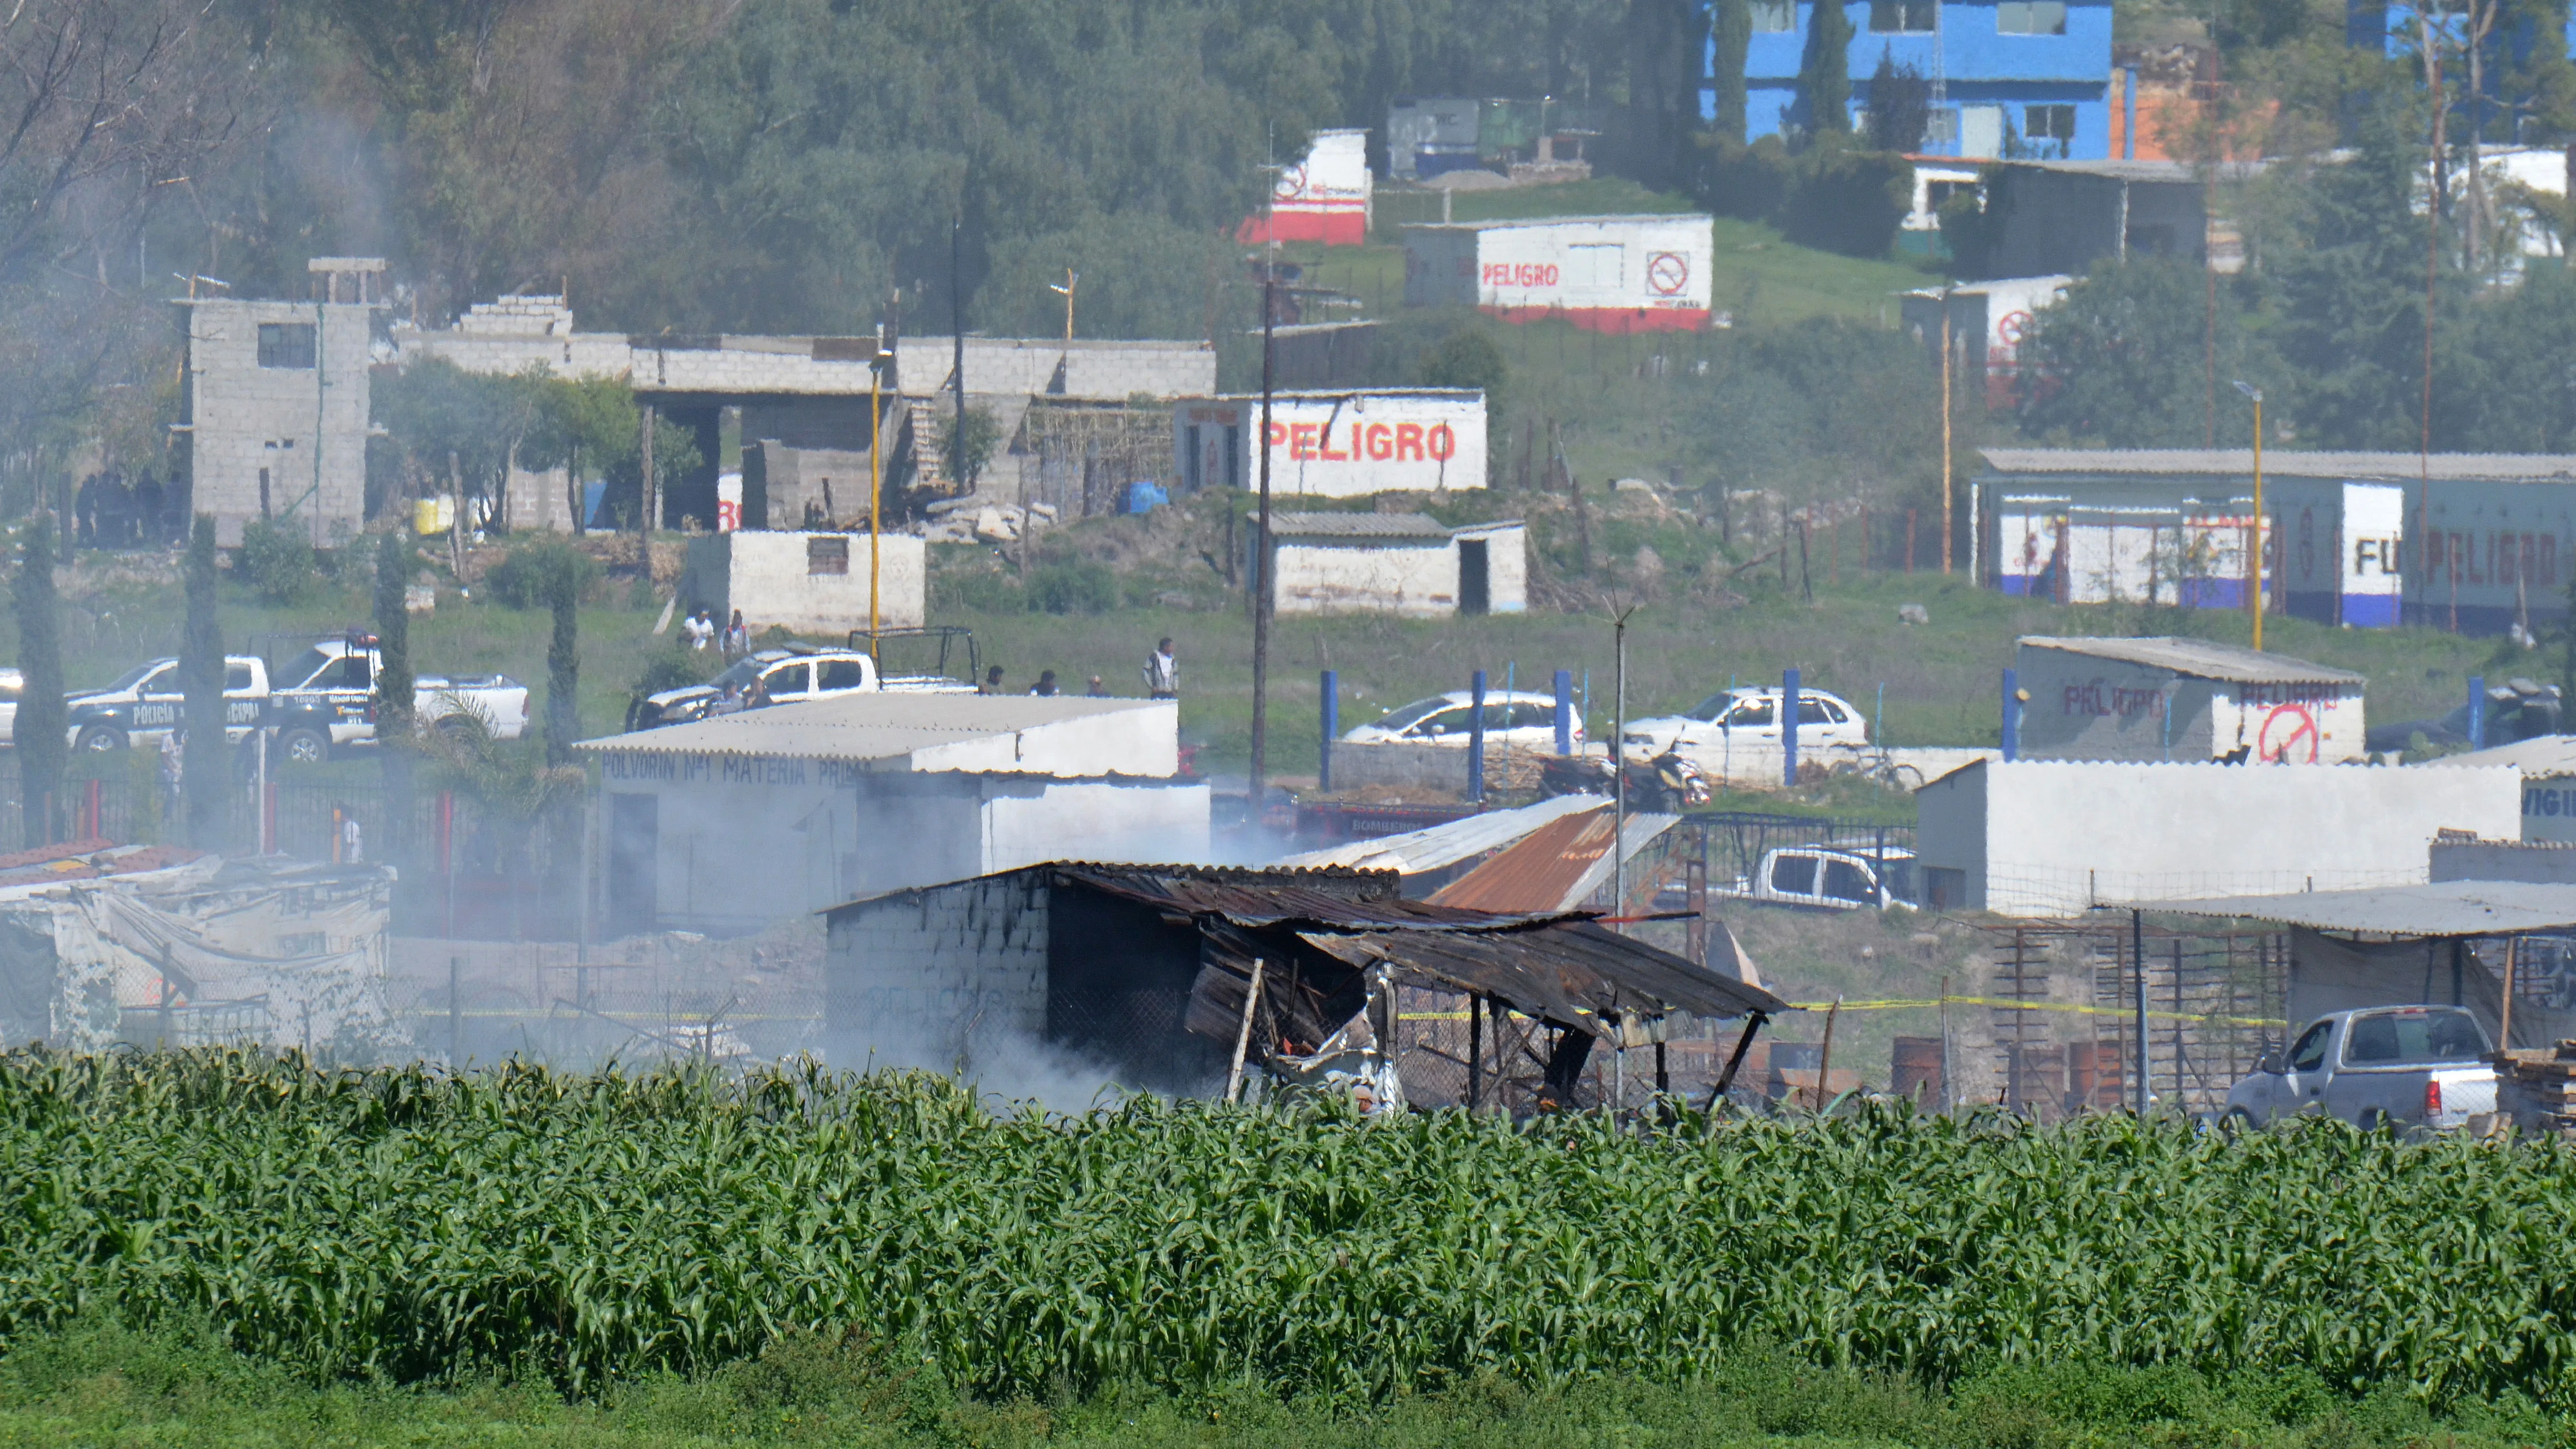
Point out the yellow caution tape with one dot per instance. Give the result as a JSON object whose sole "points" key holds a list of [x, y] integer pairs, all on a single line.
{"points": [[2008, 1004]]}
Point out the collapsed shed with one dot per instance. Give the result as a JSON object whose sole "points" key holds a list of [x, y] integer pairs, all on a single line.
{"points": [[154, 945], [1156, 973]]}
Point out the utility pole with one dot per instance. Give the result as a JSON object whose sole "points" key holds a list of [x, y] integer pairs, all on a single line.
{"points": [[957, 326], [1261, 582], [1619, 763], [876, 488], [1945, 436], [2254, 570]]}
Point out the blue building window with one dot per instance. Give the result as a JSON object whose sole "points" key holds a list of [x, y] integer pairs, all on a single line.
{"points": [[2044, 124], [1775, 17], [2030, 17], [1901, 17]]}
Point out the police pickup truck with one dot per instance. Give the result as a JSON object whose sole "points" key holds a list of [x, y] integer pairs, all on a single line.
{"points": [[325, 700], [146, 705]]}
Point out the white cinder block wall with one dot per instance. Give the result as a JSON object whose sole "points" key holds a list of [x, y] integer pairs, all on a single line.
{"points": [[907, 978]]}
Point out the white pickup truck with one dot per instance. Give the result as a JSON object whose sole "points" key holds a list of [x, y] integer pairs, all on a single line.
{"points": [[1831, 878], [324, 700], [2413, 1066], [788, 675]]}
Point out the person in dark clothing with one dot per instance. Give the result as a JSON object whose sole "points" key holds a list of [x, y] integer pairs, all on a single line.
{"points": [[993, 680], [1045, 684]]}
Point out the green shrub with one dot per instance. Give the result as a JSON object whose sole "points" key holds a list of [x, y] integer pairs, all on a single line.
{"points": [[527, 575], [1846, 200], [1073, 586], [278, 560], [982, 590]]}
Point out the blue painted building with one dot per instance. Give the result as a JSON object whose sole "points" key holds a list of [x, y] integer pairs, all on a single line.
{"points": [[2018, 77]]}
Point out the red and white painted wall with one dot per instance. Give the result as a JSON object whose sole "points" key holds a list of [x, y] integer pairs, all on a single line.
{"points": [[1335, 444], [1612, 274], [1324, 198]]}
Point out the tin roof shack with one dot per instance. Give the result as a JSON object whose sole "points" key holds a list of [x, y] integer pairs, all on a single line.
{"points": [[2183, 699], [2548, 767], [813, 583], [727, 824], [2444, 942], [275, 403], [2466, 541], [1398, 563], [1601, 273], [2055, 837], [2059, 217], [149, 945], [1149, 972], [1340, 444]]}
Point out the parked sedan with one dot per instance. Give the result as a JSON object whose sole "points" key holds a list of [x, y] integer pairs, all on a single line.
{"points": [[1748, 716], [2427, 1066], [1522, 720]]}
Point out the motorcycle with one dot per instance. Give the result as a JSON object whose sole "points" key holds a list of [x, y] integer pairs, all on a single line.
{"points": [[1666, 784]]}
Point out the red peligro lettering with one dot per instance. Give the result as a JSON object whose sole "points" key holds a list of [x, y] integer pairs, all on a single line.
{"points": [[1443, 442], [1381, 442], [1408, 442]]}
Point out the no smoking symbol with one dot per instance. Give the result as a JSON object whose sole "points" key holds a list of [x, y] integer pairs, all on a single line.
{"points": [[1667, 272], [1291, 183]]}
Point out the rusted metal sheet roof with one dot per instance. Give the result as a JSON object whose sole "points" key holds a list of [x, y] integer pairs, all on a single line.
{"points": [[1554, 868], [1573, 973], [1263, 900]]}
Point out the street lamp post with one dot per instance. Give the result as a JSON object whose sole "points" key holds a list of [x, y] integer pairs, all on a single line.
{"points": [[2255, 568]]}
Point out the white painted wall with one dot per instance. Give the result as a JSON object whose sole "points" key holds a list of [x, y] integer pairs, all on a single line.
{"points": [[768, 575], [2087, 708], [1097, 821], [1573, 264], [1506, 564], [1338, 445], [1143, 740], [1414, 579], [2048, 838]]}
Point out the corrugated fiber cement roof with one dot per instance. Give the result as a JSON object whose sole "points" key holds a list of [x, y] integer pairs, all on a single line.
{"points": [[863, 726], [2201, 659], [2443, 908], [2239, 463]]}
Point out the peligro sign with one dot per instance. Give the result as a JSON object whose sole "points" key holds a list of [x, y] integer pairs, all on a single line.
{"points": [[1351, 445]]}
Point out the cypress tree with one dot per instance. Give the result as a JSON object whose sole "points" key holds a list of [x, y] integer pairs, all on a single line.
{"points": [[395, 690], [563, 657], [1824, 81], [42, 716], [201, 685], [1732, 27]]}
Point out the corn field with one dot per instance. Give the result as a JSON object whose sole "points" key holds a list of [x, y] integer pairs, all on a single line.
{"points": [[587, 1227]]}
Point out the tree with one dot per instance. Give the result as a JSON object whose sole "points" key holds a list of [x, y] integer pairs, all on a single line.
{"points": [[1732, 30], [42, 717], [975, 451], [1824, 75], [2123, 361], [1467, 358], [552, 573], [201, 683], [1900, 106], [395, 686]]}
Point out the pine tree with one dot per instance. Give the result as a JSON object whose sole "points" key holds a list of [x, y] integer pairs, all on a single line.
{"points": [[42, 718], [394, 688], [563, 664], [201, 683]]}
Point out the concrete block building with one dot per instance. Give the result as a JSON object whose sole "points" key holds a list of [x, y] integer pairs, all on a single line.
{"points": [[1334, 444], [2183, 699], [2054, 838], [813, 583], [2013, 77], [1397, 563], [275, 403], [728, 824], [2473, 542]]}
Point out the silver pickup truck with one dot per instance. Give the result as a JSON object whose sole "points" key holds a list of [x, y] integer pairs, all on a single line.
{"points": [[2412, 1066]]}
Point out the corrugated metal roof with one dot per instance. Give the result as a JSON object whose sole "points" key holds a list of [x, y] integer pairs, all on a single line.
{"points": [[1507, 223], [2443, 908], [1556, 867], [1357, 525], [2547, 755], [1438, 846], [1259, 900], [1573, 973], [864, 726], [2239, 463], [2171, 172], [2201, 659]]}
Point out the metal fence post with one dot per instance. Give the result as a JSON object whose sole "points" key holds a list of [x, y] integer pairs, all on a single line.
{"points": [[2012, 715], [1565, 711], [1476, 741], [455, 1010], [2477, 711], [1789, 695], [1332, 727]]}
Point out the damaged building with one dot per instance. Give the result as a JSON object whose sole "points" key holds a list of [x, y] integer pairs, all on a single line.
{"points": [[1156, 974], [158, 945]]}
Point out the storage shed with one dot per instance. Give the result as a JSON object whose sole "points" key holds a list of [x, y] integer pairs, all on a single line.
{"points": [[1335, 444], [1324, 197], [2169, 699], [728, 824], [811, 583], [2054, 838], [1397, 563], [1601, 273]]}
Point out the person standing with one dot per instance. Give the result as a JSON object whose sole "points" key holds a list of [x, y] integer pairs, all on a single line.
{"points": [[1097, 690], [1163, 672], [737, 637]]}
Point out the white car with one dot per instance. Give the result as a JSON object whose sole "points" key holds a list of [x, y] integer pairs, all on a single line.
{"points": [[12, 684], [1522, 720], [1748, 716]]}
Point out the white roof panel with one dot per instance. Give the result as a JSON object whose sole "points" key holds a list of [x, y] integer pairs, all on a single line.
{"points": [[864, 726]]}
